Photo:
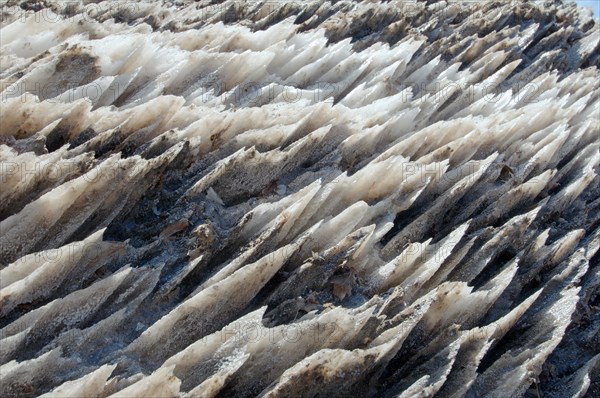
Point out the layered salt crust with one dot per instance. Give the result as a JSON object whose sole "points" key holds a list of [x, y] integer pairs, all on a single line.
{"points": [[298, 199]]}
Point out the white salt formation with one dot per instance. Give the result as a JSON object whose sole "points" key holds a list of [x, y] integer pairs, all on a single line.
{"points": [[299, 199]]}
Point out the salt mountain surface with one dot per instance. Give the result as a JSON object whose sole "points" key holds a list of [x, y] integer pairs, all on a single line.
{"points": [[292, 199]]}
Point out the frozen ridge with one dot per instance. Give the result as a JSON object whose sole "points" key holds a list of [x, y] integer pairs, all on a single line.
{"points": [[299, 199]]}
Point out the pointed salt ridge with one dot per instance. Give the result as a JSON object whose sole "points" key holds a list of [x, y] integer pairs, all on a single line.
{"points": [[324, 332], [519, 195], [575, 164], [25, 115], [56, 202], [33, 373], [264, 214], [161, 383], [173, 283], [452, 305], [28, 176], [565, 246], [271, 237], [516, 226], [366, 142], [592, 246], [367, 239], [311, 274], [524, 363], [139, 283], [89, 339], [9, 346], [337, 371], [75, 193], [215, 383], [37, 275], [253, 277], [417, 228], [464, 369], [204, 348], [334, 229], [448, 266], [90, 385], [63, 314], [436, 373], [496, 330], [437, 253], [572, 271], [204, 183], [568, 194], [477, 342], [479, 302], [397, 269], [449, 177]]}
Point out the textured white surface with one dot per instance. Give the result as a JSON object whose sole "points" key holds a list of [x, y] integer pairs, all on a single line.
{"points": [[291, 199]]}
